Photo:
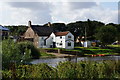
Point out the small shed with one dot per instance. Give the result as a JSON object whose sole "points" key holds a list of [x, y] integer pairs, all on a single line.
{"points": [[4, 31]]}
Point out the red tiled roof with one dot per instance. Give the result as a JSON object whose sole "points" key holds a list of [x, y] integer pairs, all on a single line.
{"points": [[61, 33]]}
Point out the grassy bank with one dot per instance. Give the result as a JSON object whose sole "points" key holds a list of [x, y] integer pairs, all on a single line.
{"points": [[113, 45], [97, 50], [82, 51], [84, 69]]}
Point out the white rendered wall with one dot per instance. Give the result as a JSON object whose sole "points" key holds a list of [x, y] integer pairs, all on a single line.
{"points": [[50, 40], [60, 40], [69, 40]]}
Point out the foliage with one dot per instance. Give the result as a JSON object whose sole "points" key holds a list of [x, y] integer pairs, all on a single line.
{"points": [[78, 28], [67, 70], [83, 69], [39, 71], [10, 53], [59, 26], [34, 52], [107, 34], [17, 52], [17, 30]]}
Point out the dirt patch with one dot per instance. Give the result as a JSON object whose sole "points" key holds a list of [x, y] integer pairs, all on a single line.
{"points": [[60, 55]]}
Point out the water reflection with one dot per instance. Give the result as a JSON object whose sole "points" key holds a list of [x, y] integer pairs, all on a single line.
{"points": [[54, 61]]}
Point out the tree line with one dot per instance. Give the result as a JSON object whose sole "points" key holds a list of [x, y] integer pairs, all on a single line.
{"points": [[95, 30]]}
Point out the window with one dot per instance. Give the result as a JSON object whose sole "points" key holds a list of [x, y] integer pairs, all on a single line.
{"points": [[60, 37], [60, 43], [69, 44], [69, 36]]}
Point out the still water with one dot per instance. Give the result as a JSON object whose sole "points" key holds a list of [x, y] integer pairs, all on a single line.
{"points": [[54, 61]]}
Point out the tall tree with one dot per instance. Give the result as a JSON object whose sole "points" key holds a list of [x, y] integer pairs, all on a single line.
{"points": [[107, 34]]}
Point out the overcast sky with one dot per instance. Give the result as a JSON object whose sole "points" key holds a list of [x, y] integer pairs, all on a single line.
{"points": [[19, 13]]}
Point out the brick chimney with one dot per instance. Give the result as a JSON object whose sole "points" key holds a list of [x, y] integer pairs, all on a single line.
{"points": [[29, 23]]}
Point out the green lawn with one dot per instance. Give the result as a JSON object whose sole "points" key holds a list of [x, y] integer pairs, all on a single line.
{"points": [[90, 50], [46, 55], [113, 45], [97, 50]]}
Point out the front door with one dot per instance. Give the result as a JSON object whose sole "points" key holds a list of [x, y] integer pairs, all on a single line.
{"points": [[54, 46]]}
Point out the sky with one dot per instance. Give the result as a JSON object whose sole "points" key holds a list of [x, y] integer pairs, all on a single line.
{"points": [[19, 13]]}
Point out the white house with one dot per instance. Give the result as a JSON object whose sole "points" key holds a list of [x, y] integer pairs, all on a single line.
{"points": [[57, 40], [45, 37]]}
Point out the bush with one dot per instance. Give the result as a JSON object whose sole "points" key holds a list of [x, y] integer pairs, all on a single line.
{"points": [[116, 50], [17, 52], [34, 52], [67, 70], [83, 69], [40, 71]]}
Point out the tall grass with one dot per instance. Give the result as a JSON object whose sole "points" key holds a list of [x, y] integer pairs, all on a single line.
{"points": [[83, 69]]}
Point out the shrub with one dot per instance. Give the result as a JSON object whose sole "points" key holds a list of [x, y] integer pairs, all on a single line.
{"points": [[83, 69], [67, 70], [34, 52], [17, 52]]}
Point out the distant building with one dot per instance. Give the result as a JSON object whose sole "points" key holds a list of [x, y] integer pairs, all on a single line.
{"points": [[4, 32], [45, 37]]}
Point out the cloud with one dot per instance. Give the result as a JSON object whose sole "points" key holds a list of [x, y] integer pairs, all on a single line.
{"points": [[20, 12], [77, 12], [31, 5], [82, 5], [43, 12]]}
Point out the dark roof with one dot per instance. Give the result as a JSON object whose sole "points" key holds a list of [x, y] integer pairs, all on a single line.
{"points": [[61, 33], [42, 30], [4, 28]]}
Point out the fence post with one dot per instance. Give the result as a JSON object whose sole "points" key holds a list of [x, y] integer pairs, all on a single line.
{"points": [[58, 50]]}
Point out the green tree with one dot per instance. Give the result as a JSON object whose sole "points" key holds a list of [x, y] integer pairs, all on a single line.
{"points": [[17, 52], [107, 34], [59, 26], [17, 30], [78, 28], [118, 32]]}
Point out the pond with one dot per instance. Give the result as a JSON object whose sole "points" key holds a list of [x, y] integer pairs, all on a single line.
{"points": [[54, 61]]}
